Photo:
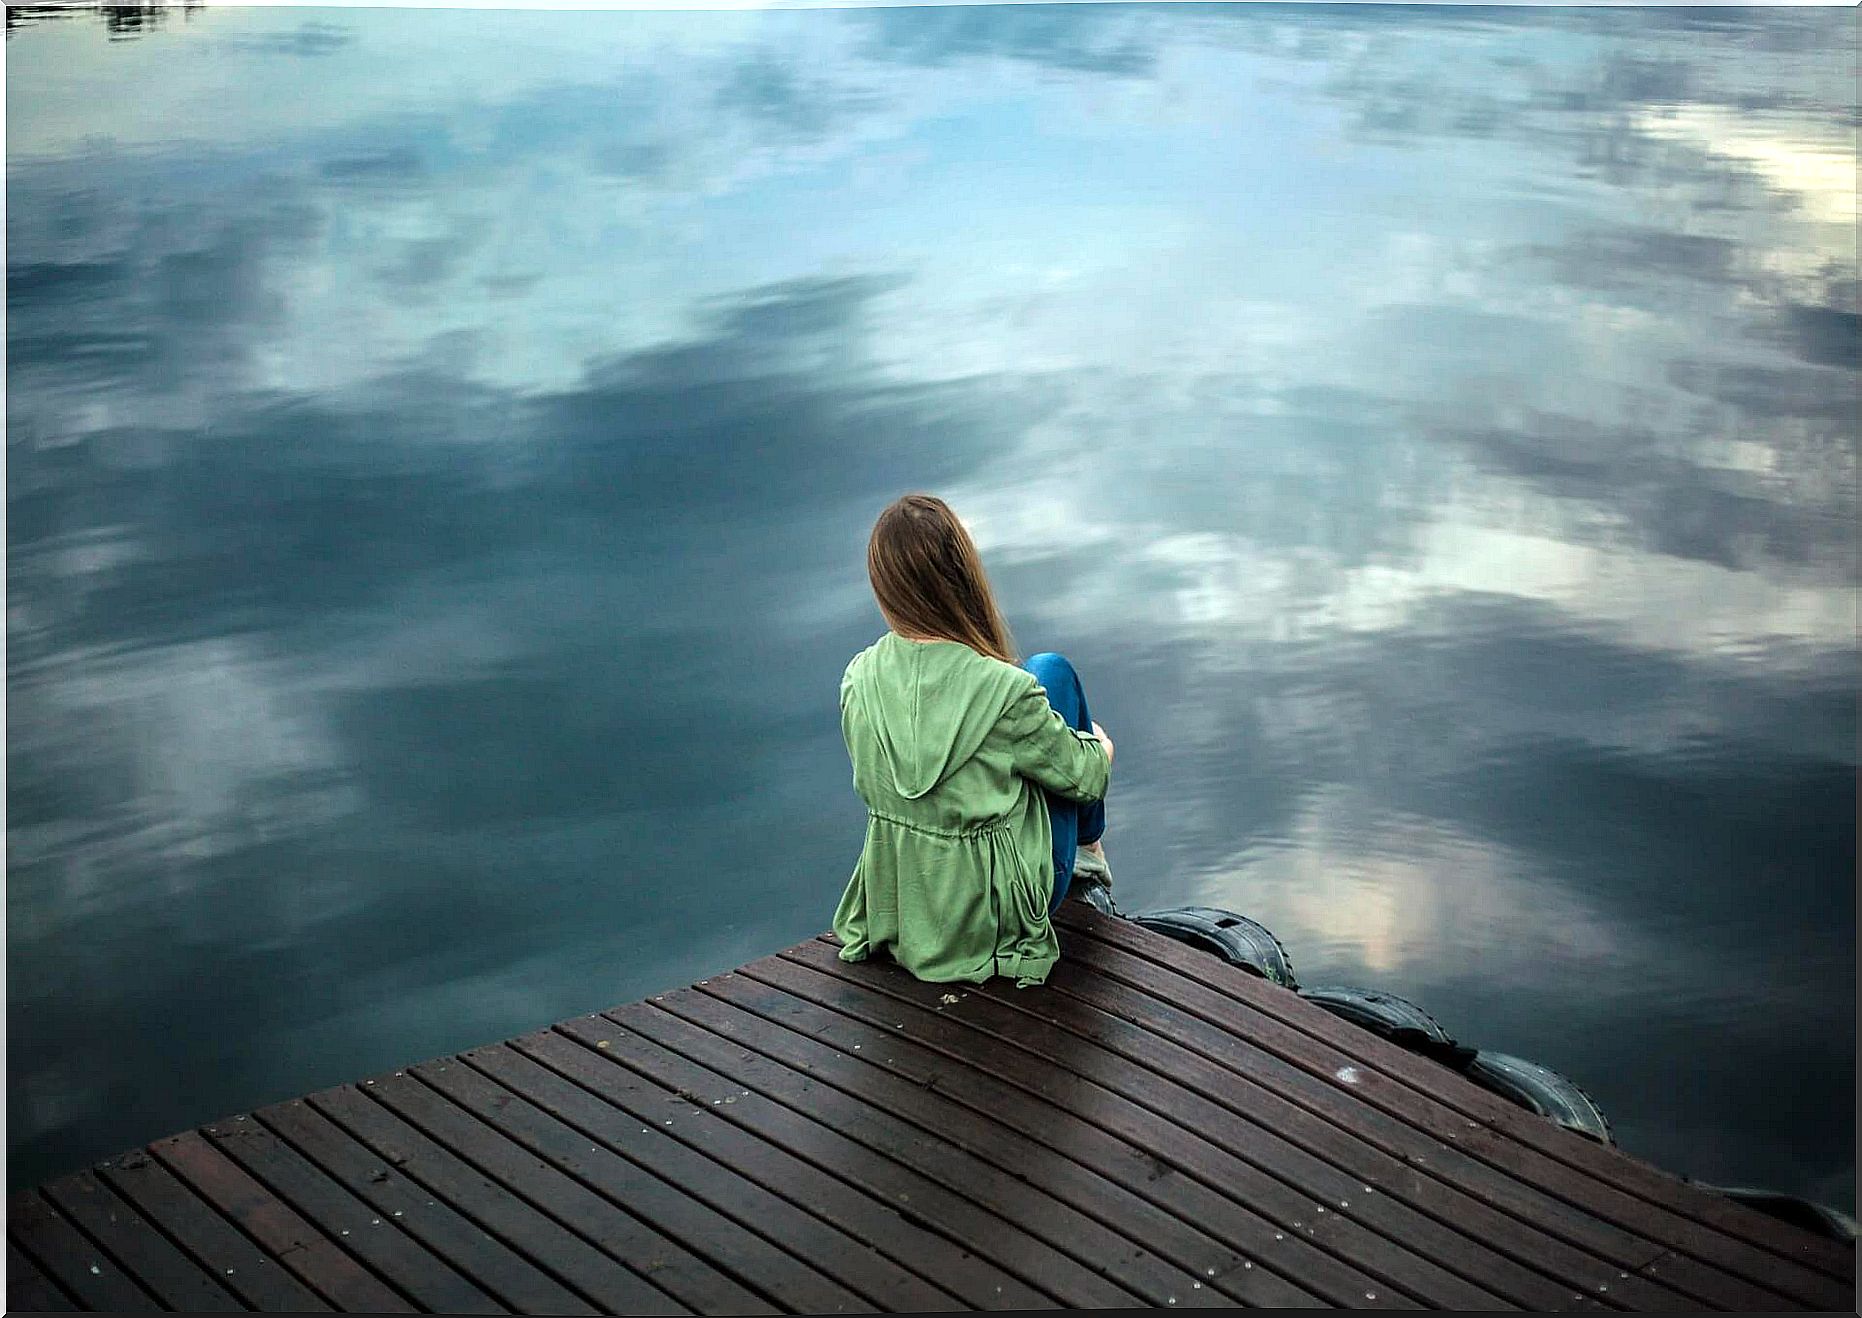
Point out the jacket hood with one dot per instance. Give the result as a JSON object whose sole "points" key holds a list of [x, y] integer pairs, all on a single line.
{"points": [[931, 704]]}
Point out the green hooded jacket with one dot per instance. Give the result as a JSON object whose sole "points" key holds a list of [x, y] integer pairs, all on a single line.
{"points": [[950, 749]]}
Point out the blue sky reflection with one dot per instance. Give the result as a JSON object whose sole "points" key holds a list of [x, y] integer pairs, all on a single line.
{"points": [[441, 444]]}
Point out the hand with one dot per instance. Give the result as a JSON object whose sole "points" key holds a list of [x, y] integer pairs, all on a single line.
{"points": [[1104, 740]]}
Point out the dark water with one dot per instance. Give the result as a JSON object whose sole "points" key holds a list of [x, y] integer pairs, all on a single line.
{"points": [[441, 445]]}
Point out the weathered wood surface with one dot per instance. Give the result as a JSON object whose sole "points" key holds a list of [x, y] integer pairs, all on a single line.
{"points": [[1153, 1128]]}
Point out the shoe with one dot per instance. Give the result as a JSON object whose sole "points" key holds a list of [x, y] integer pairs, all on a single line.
{"points": [[1090, 868]]}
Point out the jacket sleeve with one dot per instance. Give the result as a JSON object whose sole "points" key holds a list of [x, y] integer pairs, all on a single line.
{"points": [[846, 703], [1048, 752]]}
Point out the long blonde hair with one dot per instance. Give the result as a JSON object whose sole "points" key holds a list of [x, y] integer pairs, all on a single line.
{"points": [[929, 579]]}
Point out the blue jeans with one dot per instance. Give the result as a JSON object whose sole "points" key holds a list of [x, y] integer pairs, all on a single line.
{"points": [[1074, 823]]}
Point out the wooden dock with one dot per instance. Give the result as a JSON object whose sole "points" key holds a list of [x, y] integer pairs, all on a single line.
{"points": [[1154, 1128]]}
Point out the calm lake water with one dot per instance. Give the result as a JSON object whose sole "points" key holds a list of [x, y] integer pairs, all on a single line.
{"points": [[441, 446]]}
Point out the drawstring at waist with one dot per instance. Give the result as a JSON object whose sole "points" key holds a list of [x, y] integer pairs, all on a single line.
{"points": [[1000, 825]]}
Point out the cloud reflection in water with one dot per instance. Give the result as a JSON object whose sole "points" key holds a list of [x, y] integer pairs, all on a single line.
{"points": [[441, 445]]}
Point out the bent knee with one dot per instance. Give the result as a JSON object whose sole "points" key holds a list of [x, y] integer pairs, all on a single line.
{"points": [[1051, 668]]}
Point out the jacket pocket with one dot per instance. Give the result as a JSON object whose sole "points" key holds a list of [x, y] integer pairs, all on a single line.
{"points": [[1029, 895]]}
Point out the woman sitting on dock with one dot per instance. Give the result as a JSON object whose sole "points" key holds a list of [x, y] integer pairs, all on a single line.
{"points": [[984, 780]]}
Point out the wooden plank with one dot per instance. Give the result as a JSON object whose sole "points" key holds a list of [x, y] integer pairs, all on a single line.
{"points": [[1530, 1245], [976, 1282], [71, 1258], [143, 1251], [1243, 1043], [1234, 1156], [1152, 1127], [1163, 1050], [721, 1241], [883, 1282], [1155, 1005], [1142, 1107], [401, 1205], [1600, 1180], [393, 1255], [297, 1244], [1104, 1262], [616, 1232], [905, 1025], [29, 1290], [998, 1122], [257, 1278], [1039, 1275], [1371, 1087], [1631, 1175], [600, 1279]]}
